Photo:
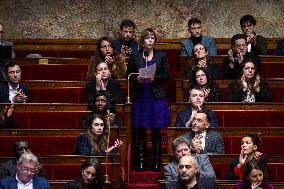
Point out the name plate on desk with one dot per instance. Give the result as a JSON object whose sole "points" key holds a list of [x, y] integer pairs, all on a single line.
{"points": [[43, 61]]}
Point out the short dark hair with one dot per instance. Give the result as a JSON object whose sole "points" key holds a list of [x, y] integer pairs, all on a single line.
{"points": [[255, 138], [9, 63], [247, 19], [236, 37], [127, 23], [179, 140], [193, 21], [206, 112]]}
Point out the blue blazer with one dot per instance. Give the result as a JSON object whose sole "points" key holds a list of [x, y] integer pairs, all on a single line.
{"points": [[11, 183], [184, 116], [4, 92], [208, 42]]}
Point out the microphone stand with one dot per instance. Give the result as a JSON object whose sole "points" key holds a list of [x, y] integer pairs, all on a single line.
{"points": [[107, 180], [128, 101]]}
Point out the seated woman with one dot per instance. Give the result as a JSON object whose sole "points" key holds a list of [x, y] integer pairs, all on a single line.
{"points": [[249, 151], [106, 53], [249, 87], [201, 78], [254, 177], [90, 176], [103, 81], [94, 140], [103, 106], [201, 59]]}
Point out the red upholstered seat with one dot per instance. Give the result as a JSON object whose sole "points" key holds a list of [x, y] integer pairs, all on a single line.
{"points": [[250, 118], [49, 120], [40, 145], [54, 71], [58, 95]]}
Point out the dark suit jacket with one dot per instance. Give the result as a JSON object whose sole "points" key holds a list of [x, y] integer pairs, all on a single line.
{"points": [[204, 183], [214, 142], [4, 92], [236, 93], [260, 48], [11, 183], [184, 116], [236, 72], [113, 87], [204, 166], [161, 75]]}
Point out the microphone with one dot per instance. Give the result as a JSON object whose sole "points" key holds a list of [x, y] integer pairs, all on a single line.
{"points": [[146, 54]]}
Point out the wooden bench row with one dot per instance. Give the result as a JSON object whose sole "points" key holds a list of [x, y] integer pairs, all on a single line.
{"points": [[65, 167], [62, 141], [77, 69], [87, 47], [48, 91], [68, 115]]}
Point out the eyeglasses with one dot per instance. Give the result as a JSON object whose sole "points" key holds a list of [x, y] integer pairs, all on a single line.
{"points": [[27, 170]]}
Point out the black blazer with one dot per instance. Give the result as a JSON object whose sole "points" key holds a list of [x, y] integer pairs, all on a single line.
{"points": [[161, 74], [113, 87], [4, 92]]}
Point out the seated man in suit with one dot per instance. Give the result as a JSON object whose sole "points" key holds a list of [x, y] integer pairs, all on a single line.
{"points": [[181, 147], [195, 30], [188, 176], [25, 175], [9, 167], [126, 45], [255, 43], [196, 99], [204, 141], [236, 55], [12, 91]]}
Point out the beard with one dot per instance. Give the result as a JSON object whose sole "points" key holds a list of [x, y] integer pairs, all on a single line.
{"points": [[187, 177]]}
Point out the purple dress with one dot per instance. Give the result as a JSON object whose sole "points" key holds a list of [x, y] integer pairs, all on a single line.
{"points": [[149, 112]]}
